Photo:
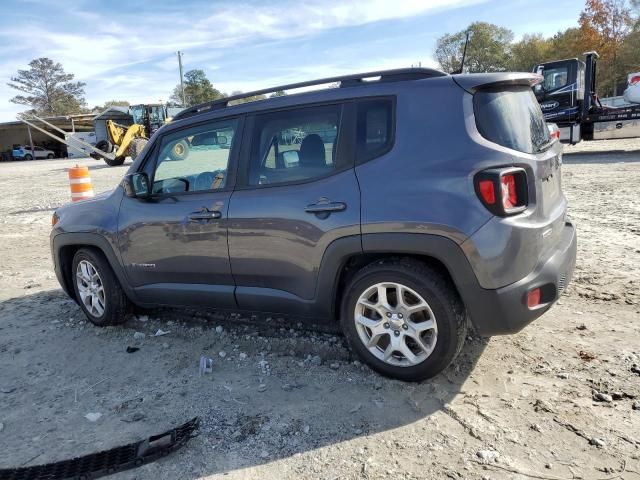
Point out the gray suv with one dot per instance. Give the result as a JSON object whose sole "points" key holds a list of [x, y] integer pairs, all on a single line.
{"points": [[405, 204]]}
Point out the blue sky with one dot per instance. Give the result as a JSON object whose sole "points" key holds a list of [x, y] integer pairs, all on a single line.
{"points": [[128, 53]]}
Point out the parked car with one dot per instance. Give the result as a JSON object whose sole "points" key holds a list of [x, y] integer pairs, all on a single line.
{"points": [[413, 205], [25, 153]]}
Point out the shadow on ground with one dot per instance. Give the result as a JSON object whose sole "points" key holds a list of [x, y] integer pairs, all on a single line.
{"points": [[99, 165], [272, 404]]}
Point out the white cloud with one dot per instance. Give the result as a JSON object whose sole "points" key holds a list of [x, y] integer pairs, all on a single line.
{"points": [[122, 56]]}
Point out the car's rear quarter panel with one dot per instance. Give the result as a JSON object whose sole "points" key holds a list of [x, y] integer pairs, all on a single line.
{"points": [[424, 184]]}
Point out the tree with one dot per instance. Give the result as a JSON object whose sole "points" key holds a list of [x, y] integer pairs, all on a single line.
{"points": [[281, 93], [251, 98], [488, 49], [49, 90], [607, 23], [530, 51], [110, 103], [197, 89], [115, 103]]}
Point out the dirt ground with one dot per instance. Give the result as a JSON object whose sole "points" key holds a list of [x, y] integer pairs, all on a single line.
{"points": [[560, 400]]}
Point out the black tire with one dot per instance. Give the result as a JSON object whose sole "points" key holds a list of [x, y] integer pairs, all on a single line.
{"points": [[115, 162], [441, 296], [179, 151], [107, 147], [116, 303], [50, 156], [28, 157], [136, 146], [103, 145]]}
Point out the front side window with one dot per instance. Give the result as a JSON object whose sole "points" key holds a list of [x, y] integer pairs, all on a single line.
{"points": [[194, 159], [294, 145]]}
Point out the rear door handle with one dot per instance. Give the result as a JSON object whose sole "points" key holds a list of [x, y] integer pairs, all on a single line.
{"points": [[326, 207], [205, 215]]}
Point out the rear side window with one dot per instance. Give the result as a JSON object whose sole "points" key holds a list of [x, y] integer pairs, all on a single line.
{"points": [[295, 145], [511, 118], [374, 128]]}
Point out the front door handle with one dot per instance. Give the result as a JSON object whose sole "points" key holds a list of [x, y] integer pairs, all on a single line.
{"points": [[205, 215], [326, 207]]}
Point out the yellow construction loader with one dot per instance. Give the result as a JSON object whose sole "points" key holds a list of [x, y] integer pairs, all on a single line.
{"points": [[130, 140]]}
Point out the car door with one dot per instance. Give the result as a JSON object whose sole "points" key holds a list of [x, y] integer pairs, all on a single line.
{"points": [[174, 245], [38, 152], [298, 193]]}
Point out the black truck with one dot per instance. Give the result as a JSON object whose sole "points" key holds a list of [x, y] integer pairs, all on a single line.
{"points": [[567, 97]]}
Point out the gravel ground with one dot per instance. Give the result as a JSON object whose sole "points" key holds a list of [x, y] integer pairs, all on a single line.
{"points": [[560, 400]]}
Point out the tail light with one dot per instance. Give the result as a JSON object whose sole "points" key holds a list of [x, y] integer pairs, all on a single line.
{"points": [[503, 190], [554, 131]]}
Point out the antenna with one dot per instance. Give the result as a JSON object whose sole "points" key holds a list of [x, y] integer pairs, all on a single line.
{"points": [[464, 53]]}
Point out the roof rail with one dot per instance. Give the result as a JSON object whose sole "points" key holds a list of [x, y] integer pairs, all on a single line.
{"points": [[397, 75]]}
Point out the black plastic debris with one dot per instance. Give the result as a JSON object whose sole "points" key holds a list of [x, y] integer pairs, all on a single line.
{"points": [[108, 462], [132, 349]]}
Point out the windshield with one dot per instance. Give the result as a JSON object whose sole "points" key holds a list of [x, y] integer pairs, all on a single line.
{"points": [[137, 113], [511, 118]]}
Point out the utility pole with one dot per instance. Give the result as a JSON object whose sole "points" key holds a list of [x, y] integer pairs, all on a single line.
{"points": [[184, 103]]}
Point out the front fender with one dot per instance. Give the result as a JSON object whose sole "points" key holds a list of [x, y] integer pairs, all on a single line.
{"points": [[62, 262]]}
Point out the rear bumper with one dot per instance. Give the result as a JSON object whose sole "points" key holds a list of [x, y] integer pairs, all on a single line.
{"points": [[504, 310]]}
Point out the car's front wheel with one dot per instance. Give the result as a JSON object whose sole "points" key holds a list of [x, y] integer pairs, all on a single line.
{"points": [[97, 289], [403, 318], [28, 157], [50, 156]]}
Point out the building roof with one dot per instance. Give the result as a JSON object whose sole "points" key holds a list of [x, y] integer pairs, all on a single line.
{"points": [[60, 121], [118, 111]]}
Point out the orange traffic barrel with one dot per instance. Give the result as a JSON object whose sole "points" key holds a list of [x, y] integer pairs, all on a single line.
{"points": [[80, 182]]}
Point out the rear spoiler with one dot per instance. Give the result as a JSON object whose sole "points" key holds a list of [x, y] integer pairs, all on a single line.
{"points": [[472, 82]]}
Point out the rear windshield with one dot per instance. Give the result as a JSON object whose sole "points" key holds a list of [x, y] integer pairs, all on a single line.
{"points": [[511, 118]]}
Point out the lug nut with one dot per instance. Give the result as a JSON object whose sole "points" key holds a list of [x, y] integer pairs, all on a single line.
{"points": [[386, 325], [405, 326], [396, 332], [399, 315], [388, 314]]}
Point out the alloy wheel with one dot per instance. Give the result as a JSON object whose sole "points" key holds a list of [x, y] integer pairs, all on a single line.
{"points": [[396, 324], [90, 288]]}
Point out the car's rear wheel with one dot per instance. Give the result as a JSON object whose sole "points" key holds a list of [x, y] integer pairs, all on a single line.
{"points": [[28, 157], [50, 156], [97, 289], [403, 318]]}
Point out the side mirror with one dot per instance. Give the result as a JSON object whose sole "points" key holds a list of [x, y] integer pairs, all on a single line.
{"points": [[222, 140], [136, 185]]}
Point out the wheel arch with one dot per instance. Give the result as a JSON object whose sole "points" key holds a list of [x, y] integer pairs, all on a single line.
{"points": [[444, 255], [65, 247]]}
